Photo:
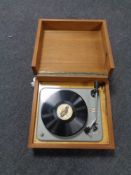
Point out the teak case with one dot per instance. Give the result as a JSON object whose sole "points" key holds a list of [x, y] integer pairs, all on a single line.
{"points": [[73, 52]]}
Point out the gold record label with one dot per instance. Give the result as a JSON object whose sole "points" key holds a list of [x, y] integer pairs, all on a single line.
{"points": [[64, 111]]}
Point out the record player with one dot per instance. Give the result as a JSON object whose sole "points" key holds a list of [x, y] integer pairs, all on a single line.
{"points": [[71, 106]]}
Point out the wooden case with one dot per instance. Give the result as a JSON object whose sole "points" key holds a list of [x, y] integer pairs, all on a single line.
{"points": [[72, 51]]}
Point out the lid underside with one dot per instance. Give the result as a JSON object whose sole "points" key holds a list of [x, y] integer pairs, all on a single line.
{"points": [[72, 51]]}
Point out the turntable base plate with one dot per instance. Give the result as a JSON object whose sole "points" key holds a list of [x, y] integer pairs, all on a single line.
{"points": [[42, 134]]}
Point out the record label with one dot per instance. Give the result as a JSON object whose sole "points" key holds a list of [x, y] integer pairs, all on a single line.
{"points": [[64, 111]]}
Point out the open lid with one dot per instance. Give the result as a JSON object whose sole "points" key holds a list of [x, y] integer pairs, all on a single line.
{"points": [[79, 47]]}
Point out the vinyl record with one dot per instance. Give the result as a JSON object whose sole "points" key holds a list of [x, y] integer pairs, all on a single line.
{"points": [[64, 113]]}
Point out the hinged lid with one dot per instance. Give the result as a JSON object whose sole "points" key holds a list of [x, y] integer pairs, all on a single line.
{"points": [[72, 47]]}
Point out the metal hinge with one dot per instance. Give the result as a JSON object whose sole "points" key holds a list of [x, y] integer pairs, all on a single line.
{"points": [[33, 82], [71, 74]]}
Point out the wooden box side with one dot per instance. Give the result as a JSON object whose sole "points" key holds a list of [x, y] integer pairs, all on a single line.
{"points": [[109, 60], [109, 114], [33, 114], [72, 24], [37, 47]]}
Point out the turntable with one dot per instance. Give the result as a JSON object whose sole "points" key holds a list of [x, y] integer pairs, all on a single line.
{"points": [[71, 105], [68, 113]]}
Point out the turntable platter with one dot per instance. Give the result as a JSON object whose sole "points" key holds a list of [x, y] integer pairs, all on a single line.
{"points": [[64, 113]]}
